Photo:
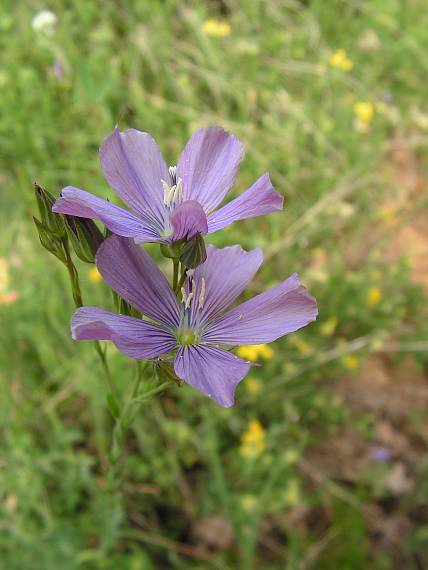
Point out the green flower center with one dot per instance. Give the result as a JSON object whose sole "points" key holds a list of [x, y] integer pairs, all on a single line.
{"points": [[187, 337]]}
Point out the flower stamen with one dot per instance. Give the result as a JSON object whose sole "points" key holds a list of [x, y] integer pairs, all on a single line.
{"points": [[202, 294], [172, 194]]}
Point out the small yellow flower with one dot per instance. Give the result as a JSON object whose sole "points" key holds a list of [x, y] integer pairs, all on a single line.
{"points": [[94, 275], [350, 361], [340, 60], [302, 346], [216, 28], [249, 502], [253, 386], [253, 352], [364, 112], [374, 296], [388, 215], [328, 328], [290, 367], [292, 496], [291, 456], [253, 441]]}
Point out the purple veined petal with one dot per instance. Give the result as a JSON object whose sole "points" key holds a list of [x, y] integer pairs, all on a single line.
{"points": [[226, 272], [133, 337], [261, 198], [133, 274], [134, 167], [76, 202], [212, 371], [187, 219], [208, 166], [266, 317]]}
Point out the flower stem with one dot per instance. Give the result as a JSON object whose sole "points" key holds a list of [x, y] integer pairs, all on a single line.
{"points": [[182, 278], [78, 300], [175, 276], [74, 276], [154, 391]]}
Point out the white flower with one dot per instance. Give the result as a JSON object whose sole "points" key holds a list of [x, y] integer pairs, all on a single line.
{"points": [[44, 21]]}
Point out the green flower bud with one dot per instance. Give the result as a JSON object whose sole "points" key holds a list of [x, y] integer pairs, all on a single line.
{"points": [[194, 252], [53, 223], [49, 241], [123, 307], [85, 237]]}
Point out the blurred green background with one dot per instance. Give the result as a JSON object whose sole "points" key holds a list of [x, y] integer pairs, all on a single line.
{"points": [[323, 463]]}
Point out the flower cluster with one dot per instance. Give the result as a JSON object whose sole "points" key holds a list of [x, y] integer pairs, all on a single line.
{"points": [[185, 327]]}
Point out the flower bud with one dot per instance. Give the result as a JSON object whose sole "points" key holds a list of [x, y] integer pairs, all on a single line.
{"points": [[123, 307], [85, 237], [194, 252], [53, 223], [49, 241]]}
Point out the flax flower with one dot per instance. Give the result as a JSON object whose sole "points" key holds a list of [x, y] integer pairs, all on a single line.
{"points": [[175, 203], [195, 330]]}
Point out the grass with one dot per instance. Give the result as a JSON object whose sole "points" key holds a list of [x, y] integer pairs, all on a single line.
{"points": [[187, 498]]}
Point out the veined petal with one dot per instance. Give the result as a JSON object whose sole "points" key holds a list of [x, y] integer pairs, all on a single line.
{"points": [[133, 274], [225, 273], [134, 337], [261, 198], [187, 219], [134, 167], [212, 371], [208, 166], [76, 202], [266, 317]]}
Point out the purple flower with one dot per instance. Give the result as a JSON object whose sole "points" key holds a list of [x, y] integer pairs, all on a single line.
{"points": [[169, 204], [380, 454], [197, 327]]}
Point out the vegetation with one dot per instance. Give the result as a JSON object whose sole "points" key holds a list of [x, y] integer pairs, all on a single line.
{"points": [[322, 463]]}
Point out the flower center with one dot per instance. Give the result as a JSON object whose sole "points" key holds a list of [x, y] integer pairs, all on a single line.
{"points": [[187, 337], [193, 299]]}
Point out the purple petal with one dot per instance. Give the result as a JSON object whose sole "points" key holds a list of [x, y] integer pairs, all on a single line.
{"points": [[76, 202], [208, 166], [134, 167], [258, 200], [226, 273], [133, 337], [188, 219], [268, 316], [132, 273], [212, 371]]}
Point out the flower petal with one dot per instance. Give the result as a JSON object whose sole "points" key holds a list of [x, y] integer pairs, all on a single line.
{"points": [[212, 371], [261, 198], [226, 273], [188, 219], [134, 167], [76, 202], [133, 337], [208, 166], [133, 274], [266, 317]]}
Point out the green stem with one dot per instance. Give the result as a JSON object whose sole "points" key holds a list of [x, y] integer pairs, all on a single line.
{"points": [[101, 353], [154, 391], [138, 378], [182, 278], [74, 276], [78, 300], [175, 276]]}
